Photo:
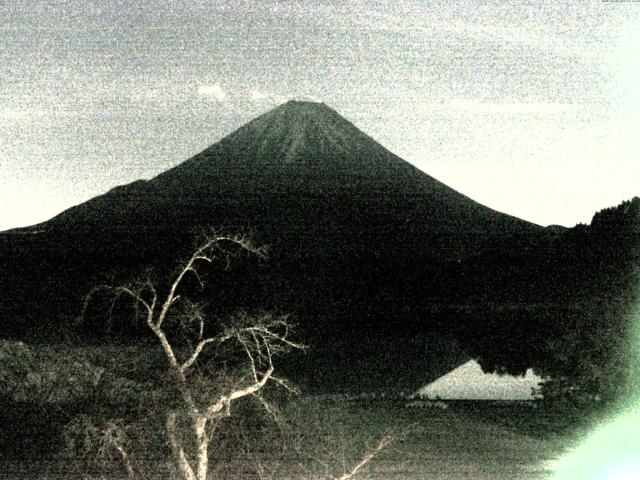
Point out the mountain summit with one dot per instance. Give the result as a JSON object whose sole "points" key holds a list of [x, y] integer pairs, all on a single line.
{"points": [[299, 132], [304, 143], [309, 135], [303, 133]]}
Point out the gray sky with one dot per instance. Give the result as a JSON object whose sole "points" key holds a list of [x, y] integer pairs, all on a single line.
{"points": [[531, 108]]}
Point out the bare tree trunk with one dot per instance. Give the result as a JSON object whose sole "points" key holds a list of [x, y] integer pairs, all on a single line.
{"points": [[202, 443], [181, 459], [125, 460]]}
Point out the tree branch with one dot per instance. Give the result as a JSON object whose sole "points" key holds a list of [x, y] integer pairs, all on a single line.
{"points": [[384, 442], [225, 401], [196, 353]]}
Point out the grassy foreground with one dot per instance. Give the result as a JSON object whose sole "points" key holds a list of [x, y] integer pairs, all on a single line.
{"points": [[326, 436]]}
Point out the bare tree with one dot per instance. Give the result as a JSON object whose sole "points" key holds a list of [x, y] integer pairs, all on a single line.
{"points": [[330, 457], [198, 357], [258, 338], [99, 442], [328, 440]]}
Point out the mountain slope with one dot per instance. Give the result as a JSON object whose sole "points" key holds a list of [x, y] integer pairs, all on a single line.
{"points": [[302, 147], [304, 164]]}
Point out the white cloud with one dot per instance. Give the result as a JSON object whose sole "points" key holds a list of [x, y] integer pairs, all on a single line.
{"points": [[512, 107], [17, 114], [502, 107], [258, 95], [214, 91], [152, 93]]}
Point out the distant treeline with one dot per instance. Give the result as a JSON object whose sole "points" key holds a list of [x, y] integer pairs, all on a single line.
{"points": [[583, 336]]}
